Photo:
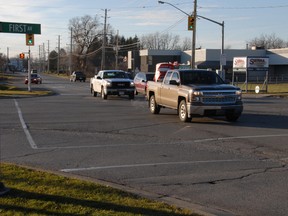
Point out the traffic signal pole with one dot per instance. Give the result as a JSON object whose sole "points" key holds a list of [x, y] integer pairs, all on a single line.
{"points": [[29, 70]]}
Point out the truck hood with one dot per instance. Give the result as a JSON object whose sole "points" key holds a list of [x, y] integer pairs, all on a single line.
{"points": [[213, 87]]}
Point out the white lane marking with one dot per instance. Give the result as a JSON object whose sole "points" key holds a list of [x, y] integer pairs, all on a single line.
{"points": [[241, 137], [165, 143], [146, 165], [24, 126]]}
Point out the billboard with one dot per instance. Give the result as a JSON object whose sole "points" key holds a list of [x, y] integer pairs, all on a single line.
{"points": [[250, 63]]}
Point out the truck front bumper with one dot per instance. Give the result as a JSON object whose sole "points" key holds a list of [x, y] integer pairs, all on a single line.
{"points": [[124, 91], [213, 110]]}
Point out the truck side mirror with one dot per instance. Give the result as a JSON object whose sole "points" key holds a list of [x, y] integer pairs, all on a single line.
{"points": [[173, 82]]}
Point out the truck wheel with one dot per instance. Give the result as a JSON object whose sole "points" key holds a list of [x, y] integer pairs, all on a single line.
{"points": [[154, 107], [131, 96], [232, 117], [182, 110], [94, 94], [103, 95]]}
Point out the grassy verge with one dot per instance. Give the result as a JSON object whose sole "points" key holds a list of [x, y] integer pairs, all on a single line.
{"points": [[41, 193], [7, 89]]}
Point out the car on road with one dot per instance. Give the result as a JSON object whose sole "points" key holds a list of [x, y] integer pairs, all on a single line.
{"points": [[34, 71], [77, 75], [35, 78], [140, 81], [112, 82]]}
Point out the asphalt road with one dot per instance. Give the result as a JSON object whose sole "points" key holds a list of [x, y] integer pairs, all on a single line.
{"points": [[209, 164]]}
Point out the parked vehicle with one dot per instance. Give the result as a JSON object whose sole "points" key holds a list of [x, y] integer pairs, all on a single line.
{"points": [[140, 81], [77, 75], [34, 71], [35, 78], [161, 69], [112, 82], [195, 93]]}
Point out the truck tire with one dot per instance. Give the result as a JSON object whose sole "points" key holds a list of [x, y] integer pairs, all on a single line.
{"points": [[103, 95], [153, 106], [131, 96], [182, 111], [94, 94]]}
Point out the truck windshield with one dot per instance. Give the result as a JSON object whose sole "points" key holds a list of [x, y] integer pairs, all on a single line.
{"points": [[200, 77], [115, 74]]}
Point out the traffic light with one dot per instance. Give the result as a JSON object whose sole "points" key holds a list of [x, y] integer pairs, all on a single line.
{"points": [[191, 22], [30, 39], [21, 55]]}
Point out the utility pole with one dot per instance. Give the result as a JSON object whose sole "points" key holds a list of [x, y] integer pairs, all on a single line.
{"points": [[116, 55], [44, 58], [194, 36], [104, 42], [58, 62], [70, 56], [40, 62], [48, 60]]}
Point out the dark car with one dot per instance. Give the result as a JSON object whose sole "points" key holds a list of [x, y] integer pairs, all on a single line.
{"points": [[140, 81], [35, 78], [77, 75]]}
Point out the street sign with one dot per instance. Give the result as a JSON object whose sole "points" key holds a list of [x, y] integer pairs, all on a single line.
{"points": [[20, 28]]}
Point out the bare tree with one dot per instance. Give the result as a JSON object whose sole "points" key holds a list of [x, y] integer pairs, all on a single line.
{"points": [[84, 31], [267, 42], [3, 61], [160, 41]]}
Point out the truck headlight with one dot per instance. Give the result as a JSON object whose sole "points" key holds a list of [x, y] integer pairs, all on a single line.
{"points": [[108, 84], [238, 95], [195, 95], [132, 84]]}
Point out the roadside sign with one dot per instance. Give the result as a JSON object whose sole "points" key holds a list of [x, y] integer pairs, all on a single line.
{"points": [[20, 28], [257, 89]]}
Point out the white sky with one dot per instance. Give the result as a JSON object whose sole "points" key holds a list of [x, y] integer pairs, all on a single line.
{"points": [[244, 20]]}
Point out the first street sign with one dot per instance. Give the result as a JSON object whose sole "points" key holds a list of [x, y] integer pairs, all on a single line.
{"points": [[20, 28]]}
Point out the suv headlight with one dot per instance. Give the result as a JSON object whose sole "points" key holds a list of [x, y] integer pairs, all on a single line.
{"points": [[132, 84]]}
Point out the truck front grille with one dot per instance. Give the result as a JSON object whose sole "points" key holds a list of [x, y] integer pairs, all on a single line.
{"points": [[221, 97], [218, 100], [120, 85]]}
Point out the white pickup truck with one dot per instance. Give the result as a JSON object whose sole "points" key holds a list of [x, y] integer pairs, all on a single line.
{"points": [[195, 93], [112, 82]]}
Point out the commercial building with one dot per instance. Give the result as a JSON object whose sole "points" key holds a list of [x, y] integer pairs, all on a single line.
{"points": [[146, 60]]}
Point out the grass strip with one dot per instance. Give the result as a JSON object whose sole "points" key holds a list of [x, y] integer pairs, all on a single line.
{"points": [[34, 192]]}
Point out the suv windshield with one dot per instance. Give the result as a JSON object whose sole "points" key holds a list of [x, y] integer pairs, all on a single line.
{"points": [[200, 77]]}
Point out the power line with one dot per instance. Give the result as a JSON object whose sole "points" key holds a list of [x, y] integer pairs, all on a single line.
{"points": [[243, 8]]}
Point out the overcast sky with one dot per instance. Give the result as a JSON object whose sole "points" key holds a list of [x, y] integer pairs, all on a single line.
{"points": [[244, 20]]}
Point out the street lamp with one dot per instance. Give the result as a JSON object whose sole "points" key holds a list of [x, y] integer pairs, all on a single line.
{"points": [[193, 32], [222, 46]]}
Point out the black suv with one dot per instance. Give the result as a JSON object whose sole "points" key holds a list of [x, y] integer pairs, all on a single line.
{"points": [[77, 75]]}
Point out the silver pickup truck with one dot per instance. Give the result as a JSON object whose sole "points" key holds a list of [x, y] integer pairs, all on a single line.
{"points": [[195, 93]]}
